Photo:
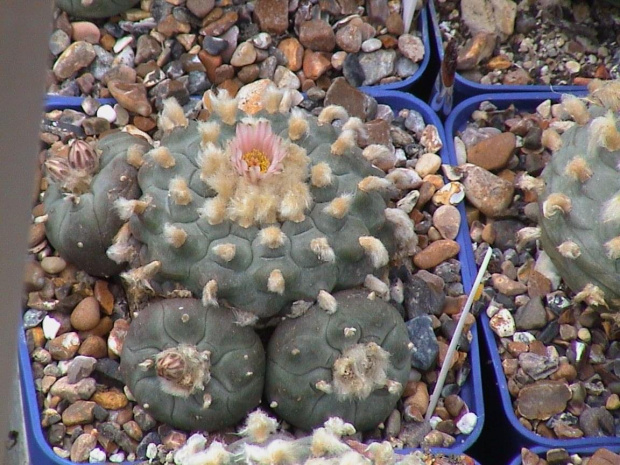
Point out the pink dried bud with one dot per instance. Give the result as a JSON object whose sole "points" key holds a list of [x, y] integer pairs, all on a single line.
{"points": [[58, 169], [171, 366], [82, 156]]}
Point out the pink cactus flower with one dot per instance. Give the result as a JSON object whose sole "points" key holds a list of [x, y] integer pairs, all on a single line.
{"points": [[256, 151]]}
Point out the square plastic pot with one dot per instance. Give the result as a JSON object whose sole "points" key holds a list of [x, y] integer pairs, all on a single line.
{"points": [[464, 88], [455, 123], [582, 451], [41, 452]]}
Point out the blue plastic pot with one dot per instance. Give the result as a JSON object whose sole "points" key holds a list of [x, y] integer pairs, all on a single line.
{"points": [[456, 122], [464, 88], [582, 451], [41, 452]]}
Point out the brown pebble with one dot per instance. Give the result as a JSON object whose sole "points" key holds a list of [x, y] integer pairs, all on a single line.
{"points": [[53, 265], [94, 346], [447, 220], [34, 276], [82, 446], [435, 253], [36, 234], [111, 400], [133, 430], [86, 31], [507, 286], [79, 413], [65, 346], [543, 399], [132, 97], [103, 295], [86, 314], [493, 153]]}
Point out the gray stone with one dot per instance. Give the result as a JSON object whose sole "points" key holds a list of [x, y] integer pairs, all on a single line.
{"points": [[80, 367], [58, 42], [597, 422], [421, 298], [214, 45], [405, 68], [33, 317], [377, 65], [538, 366], [425, 346], [83, 389]]}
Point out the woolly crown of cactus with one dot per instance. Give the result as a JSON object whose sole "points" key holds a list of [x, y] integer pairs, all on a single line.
{"points": [[259, 210], [580, 205]]}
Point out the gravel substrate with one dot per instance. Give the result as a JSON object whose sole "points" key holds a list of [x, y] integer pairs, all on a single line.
{"points": [[533, 43]]}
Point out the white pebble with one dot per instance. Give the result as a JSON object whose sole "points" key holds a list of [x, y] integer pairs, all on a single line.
{"points": [[434, 421], [118, 457], [523, 336], [106, 112], [50, 327], [503, 323], [467, 423], [96, 456], [122, 43], [151, 451], [573, 67], [370, 45]]}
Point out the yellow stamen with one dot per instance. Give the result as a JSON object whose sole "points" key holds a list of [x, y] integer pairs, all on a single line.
{"points": [[256, 158]]}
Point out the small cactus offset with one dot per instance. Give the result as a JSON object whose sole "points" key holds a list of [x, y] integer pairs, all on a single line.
{"points": [[261, 210], [193, 367], [82, 221], [580, 206], [95, 8], [347, 356]]}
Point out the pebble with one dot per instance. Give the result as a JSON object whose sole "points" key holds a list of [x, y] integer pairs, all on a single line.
{"points": [[80, 368], [76, 56], [94, 346], [543, 399], [58, 42], [110, 400], [65, 346], [117, 336], [487, 192], [85, 31], [435, 253], [425, 347], [502, 323], [493, 153], [532, 315], [82, 447], [73, 391], [412, 47], [317, 35], [106, 112], [376, 66], [132, 97], [78, 413], [86, 314], [447, 220], [428, 163]]}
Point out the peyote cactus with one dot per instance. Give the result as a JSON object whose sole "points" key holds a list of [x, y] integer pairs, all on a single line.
{"points": [[95, 8], [193, 367], [347, 356], [580, 207], [261, 210], [79, 202]]}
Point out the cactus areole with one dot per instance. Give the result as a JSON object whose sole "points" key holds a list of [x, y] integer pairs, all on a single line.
{"points": [[580, 207], [193, 367]]}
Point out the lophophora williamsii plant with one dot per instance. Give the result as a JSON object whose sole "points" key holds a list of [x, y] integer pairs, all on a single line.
{"points": [[579, 220], [240, 220], [95, 8]]}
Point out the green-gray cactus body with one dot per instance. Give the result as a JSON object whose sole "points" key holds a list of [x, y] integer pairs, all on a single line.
{"points": [[311, 221], [348, 358], [95, 8], [580, 206], [193, 367], [82, 220]]}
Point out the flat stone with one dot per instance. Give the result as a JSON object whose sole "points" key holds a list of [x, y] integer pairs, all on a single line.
{"points": [[538, 366], [489, 193], [435, 253], [543, 399], [272, 15], [147, 48], [425, 347], [78, 413], [220, 26], [80, 368], [597, 422], [317, 35], [604, 457], [493, 153], [76, 56]]}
